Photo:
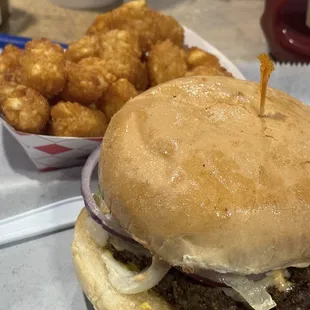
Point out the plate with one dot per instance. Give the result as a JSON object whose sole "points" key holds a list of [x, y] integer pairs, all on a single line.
{"points": [[193, 39]]}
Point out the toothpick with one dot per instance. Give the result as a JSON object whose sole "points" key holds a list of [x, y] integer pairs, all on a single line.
{"points": [[266, 67], [308, 14]]}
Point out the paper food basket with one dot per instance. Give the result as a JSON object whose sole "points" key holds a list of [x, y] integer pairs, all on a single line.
{"points": [[51, 153]]}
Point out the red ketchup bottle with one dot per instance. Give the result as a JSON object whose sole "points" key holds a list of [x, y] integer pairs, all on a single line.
{"points": [[284, 23]]}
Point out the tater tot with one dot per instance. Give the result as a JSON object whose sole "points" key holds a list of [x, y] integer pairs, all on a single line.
{"points": [[6, 88], [87, 46], [86, 81], [116, 96], [121, 52], [9, 63], [166, 61], [42, 67], [198, 57], [169, 28], [71, 119], [118, 43], [130, 68], [150, 26], [96, 63], [26, 110], [109, 20], [204, 70]]}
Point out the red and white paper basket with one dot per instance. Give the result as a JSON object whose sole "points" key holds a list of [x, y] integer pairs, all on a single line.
{"points": [[52, 153]]}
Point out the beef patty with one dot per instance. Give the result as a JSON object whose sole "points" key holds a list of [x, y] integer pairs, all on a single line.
{"points": [[185, 293]]}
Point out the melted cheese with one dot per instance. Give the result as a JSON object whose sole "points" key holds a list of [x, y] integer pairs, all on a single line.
{"points": [[280, 281], [146, 306]]}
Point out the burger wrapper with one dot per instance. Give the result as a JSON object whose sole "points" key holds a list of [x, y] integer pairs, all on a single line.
{"points": [[293, 79], [51, 153]]}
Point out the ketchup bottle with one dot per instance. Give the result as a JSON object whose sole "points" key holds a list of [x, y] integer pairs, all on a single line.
{"points": [[284, 23]]}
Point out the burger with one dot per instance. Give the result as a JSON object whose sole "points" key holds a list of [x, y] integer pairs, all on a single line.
{"points": [[203, 204]]}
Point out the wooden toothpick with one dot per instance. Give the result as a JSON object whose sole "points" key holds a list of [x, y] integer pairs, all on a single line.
{"points": [[266, 67], [308, 15]]}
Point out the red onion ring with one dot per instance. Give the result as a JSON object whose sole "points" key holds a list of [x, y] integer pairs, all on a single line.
{"points": [[90, 203]]}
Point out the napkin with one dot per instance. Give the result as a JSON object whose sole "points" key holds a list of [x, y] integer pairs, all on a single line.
{"points": [[293, 79]]}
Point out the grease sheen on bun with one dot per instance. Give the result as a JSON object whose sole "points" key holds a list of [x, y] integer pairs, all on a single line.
{"points": [[192, 173]]}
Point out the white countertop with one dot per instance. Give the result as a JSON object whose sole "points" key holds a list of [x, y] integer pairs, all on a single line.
{"points": [[38, 274]]}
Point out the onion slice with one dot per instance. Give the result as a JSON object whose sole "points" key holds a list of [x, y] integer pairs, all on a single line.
{"points": [[251, 288], [107, 222], [213, 278], [135, 248], [99, 235], [254, 293], [131, 282]]}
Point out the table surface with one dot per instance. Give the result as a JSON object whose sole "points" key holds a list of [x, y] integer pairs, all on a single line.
{"points": [[38, 274]]}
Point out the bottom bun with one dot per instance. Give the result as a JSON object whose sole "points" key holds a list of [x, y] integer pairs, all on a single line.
{"points": [[93, 276]]}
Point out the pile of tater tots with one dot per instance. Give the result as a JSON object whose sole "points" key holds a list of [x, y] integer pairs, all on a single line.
{"points": [[45, 89]]}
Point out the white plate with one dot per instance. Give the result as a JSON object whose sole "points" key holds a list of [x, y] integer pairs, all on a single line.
{"points": [[44, 220], [193, 39]]}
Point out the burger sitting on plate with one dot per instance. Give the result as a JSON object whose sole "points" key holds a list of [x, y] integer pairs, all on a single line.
{"points": [[203, 205]]}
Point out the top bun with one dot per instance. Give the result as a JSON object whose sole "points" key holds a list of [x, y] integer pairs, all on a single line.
{"points": [[192, 173]]}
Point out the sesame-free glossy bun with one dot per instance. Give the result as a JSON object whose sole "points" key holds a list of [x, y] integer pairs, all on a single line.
{"points": [[192, 173]]}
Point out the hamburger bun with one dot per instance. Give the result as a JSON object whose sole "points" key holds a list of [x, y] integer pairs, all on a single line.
{"points": [[192, 173], [92, 275]]}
